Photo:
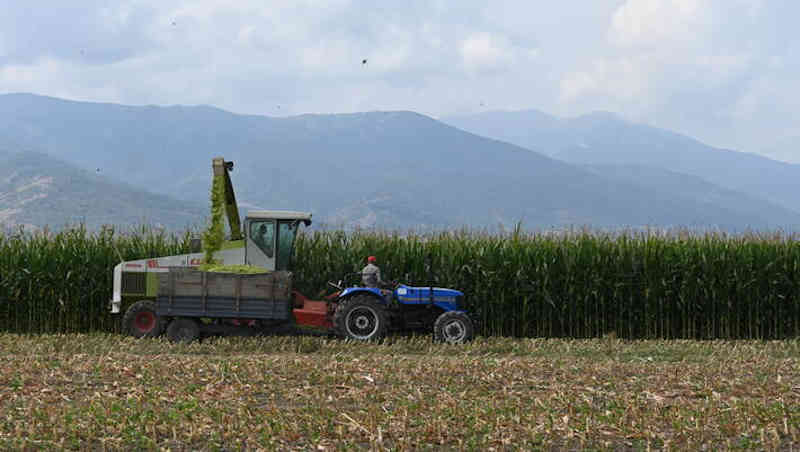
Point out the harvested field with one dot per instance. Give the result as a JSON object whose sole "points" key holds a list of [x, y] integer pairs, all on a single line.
{"points": [[107, 391]]}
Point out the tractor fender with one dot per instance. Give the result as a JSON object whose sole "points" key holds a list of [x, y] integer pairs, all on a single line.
{"points": [[351, 291]]}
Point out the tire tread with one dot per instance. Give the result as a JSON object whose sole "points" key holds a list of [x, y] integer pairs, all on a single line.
{"points": [[130, 317], [340, 315]]}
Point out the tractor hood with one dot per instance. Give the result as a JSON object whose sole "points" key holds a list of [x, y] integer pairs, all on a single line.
{"points": [[411, 294]]}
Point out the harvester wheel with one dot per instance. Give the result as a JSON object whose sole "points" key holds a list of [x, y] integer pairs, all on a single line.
{"points": [[183, 329], [453, 328], [361, 318], [140, 320]]}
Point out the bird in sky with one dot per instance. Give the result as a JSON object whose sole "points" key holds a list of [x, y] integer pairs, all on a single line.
{"points": [[364, 61]]}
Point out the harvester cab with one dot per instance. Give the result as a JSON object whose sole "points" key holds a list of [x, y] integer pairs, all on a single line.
{"points": [[268, 235]]}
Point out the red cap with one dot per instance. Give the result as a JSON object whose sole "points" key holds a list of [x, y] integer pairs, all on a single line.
{"points": [[371, 259]]}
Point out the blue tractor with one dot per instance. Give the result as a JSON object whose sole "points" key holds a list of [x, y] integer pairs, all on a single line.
{"points": [[368, 314]]}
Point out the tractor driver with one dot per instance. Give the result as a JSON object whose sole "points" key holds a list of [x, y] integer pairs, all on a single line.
{"points": [[371, 274]]}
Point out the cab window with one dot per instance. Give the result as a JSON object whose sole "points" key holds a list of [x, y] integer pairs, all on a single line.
{"points": [[263, 234], [287, 230]]}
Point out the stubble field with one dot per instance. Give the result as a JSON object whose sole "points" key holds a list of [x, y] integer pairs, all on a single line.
{"points": [[277, 393]]}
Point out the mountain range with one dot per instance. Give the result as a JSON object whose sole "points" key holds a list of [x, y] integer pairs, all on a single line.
{"points": [[37, 190], [603, 138], [378, 169]]}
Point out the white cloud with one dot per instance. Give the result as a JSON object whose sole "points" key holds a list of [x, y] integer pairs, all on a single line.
{"points": [[698, 66], [622, 79], [482, 51], [642, 23]]}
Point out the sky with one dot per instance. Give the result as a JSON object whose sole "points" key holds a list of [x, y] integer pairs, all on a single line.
{"points": [[722, 71]]}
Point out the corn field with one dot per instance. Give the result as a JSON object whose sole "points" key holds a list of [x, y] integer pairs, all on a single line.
{"points": [[574, 284], [61, 282]]}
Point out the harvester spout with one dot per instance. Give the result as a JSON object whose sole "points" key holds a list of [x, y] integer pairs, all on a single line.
{"points": [[220, 170]]}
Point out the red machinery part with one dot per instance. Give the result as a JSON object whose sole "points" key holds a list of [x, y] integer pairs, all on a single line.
{"points": [[311, 312], [144, 321]]}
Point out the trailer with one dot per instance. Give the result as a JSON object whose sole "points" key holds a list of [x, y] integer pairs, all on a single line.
{"points": [[192, 303]]}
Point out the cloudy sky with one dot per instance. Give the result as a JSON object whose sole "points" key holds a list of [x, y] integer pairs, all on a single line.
{"points": [[723, 71]]}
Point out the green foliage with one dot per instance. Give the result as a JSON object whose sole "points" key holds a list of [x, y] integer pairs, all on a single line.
{"points": [[579, 284], [214, 235], [61, 282]]}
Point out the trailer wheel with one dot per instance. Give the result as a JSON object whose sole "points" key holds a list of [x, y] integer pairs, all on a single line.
{"points": [[183, 330], [141, 320], [361, 318], [453, 328]]}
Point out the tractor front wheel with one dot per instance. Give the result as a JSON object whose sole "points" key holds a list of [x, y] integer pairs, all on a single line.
{"points": [[140, 320], [453, 328], [361, 318]]}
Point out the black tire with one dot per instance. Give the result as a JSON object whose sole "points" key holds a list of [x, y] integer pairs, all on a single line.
{"points": [[183, 329], [453, 328], [361, 318], [141, 320]]}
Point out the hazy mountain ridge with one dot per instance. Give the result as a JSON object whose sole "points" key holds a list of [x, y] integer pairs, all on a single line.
{"points": [[603, 138], [392, 169], [686, 187], [38, 190]]}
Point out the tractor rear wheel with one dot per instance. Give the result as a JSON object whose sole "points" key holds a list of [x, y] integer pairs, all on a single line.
{"points": [[140, 320], [361, 318], [453, 328], [183, 329]]}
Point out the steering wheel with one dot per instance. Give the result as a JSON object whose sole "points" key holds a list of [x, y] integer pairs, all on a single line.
{"points": [[342, 282]]}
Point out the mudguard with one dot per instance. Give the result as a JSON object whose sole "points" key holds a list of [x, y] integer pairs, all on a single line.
{"points": [[350, 291]]}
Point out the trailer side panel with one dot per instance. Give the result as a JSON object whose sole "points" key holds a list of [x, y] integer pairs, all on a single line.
{"points": [[187, 292]]}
